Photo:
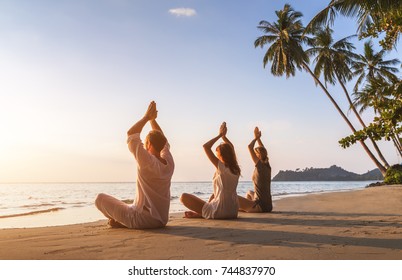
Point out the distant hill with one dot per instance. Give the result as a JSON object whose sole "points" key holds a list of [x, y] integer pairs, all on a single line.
{"points": [[333, 173]]}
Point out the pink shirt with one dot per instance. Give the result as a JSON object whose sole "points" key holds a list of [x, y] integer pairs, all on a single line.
{"points": [[153, 180]]}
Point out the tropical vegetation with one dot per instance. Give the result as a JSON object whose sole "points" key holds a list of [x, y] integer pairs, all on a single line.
{"points": [[393, 175], [374, 18], [333, 173], [292, 47]]}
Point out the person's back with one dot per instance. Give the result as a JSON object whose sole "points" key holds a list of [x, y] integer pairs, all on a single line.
{"points": [[259, 200], [225, 203], [153, 180], [262, 185], [154, 172]]}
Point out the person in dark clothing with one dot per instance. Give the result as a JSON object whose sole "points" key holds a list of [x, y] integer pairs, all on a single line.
{"points": [[259, 200]]}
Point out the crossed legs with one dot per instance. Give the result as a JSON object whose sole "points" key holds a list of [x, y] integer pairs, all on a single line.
{"points": [[247, 204], [112, 208], [193, 203]]}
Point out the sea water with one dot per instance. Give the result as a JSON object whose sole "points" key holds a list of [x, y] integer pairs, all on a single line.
{"points": [[49, 204]]}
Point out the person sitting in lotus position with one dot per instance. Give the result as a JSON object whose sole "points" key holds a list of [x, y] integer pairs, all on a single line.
{"points": [[259, 200], [223, 203], [154, 172]]}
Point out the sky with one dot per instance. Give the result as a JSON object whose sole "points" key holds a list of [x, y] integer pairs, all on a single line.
{"points": [[76, 75]]}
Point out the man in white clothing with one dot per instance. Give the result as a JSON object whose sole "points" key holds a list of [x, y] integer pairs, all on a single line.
{"points": [[154, 172]]}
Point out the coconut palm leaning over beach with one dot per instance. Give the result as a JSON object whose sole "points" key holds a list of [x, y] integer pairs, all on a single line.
{"points": [[285, 39], [335, 60], [380, 20]]}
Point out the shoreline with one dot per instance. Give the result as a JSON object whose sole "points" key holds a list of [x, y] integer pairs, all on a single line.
{"points": [[359, 224], [68, 216]]}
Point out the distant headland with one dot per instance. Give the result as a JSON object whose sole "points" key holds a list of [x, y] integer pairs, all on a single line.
{"points": [[333, 173]]}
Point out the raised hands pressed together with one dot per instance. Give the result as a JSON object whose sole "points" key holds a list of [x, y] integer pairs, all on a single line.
{"points": [[155, 169], [259, 200], [223, 203]]}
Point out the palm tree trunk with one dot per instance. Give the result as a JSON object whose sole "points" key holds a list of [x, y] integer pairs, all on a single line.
{"points": [[370, 154], [397, 144], [397, 141], [362, 122]]}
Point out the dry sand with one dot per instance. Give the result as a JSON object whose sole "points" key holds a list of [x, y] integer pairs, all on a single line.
{"points": [[363, 224]]}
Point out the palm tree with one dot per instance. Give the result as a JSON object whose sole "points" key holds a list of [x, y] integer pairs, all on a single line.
{"points": [[366, 11], [378, 75], [371, 94], [381, 94], [333, 61], [285, 36], [371, 64], [286, 54]]}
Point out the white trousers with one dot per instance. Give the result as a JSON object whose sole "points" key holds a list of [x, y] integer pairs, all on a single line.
{"points": [[124, 213]]}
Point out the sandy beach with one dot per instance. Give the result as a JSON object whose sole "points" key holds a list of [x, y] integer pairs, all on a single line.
{"points": [[363, 224]]}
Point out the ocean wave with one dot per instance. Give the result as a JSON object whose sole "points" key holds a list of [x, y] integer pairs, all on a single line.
{"points": [[37, 205], [309, 192], [72, 203], [199, 193], [54, 203], [32, 213], [297, 193]]}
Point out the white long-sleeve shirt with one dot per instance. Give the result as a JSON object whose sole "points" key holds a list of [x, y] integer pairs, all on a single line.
{"points": [[153, 180]]}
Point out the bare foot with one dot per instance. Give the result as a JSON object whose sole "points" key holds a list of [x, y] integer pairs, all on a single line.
{"points": [[191, 215], [114, 224]]}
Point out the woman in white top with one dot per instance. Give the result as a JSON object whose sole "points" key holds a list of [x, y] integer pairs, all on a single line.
{"points": [[223, 204]]}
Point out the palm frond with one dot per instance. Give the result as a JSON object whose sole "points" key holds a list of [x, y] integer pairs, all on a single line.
{"points": [[324, 17], [284, 40]]}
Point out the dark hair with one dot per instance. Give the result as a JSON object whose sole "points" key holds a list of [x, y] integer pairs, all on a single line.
{"points": [[264, 154], [157, 139], [229, 157]]}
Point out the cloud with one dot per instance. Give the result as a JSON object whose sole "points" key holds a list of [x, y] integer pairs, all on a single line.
{"points": [[183, 12]]}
